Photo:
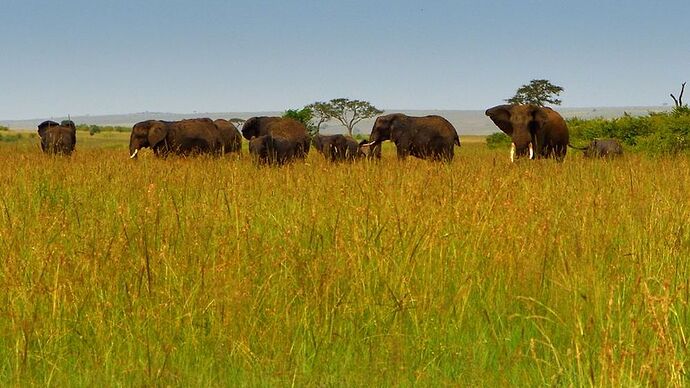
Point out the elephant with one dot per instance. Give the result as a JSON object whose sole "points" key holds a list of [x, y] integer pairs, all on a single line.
{"points": [[184, 137], [230, 137], [57, 138], [270, 149], [423, 137], [536, 132], [373, 152], [602, 148], [337, 147], [284, 127]]}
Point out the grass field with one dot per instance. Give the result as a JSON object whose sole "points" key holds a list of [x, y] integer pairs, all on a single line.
{"points": [[214, 272]]}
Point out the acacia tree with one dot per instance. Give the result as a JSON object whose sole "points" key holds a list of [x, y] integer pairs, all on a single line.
{"points": [[321, 113], [537, 92], [350, 112]]}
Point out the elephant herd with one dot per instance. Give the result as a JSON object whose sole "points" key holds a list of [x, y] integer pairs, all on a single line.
{"points": [[535, 132]]}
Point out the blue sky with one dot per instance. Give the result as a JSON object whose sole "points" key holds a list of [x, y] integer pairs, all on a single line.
{"points": [[98, 57]]}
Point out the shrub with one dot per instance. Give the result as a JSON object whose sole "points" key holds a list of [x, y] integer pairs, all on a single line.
{"points": [[498, 140], [656, 133], [3, 128]]}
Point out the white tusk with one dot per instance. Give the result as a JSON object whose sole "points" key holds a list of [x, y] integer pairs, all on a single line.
{"points": [[512, 153], [531, 151], [134, 154], [368, 144]]}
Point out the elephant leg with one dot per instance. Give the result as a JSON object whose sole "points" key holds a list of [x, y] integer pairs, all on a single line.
{"points": [[402, 149]]}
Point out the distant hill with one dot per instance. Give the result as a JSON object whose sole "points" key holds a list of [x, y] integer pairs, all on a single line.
{"points": [[467, 122]]}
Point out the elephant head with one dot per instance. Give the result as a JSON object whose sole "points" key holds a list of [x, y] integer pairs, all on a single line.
{"points": [[256, 126], [148, 133], [521, 123], [383, 129]]}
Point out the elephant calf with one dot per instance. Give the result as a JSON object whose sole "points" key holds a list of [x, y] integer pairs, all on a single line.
{"points": [[603, 148], [269, 149], [337, 147], [57, 138]]}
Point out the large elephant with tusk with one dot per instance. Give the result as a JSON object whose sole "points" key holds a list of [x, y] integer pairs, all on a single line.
{"points": [[184, 137], [423, 137], [536, 132]]}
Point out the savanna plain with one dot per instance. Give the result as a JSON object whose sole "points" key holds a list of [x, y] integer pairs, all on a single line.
{"points": [[216, 272]]}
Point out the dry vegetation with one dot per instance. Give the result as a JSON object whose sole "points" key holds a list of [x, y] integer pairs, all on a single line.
{"points": [[207, 272]]}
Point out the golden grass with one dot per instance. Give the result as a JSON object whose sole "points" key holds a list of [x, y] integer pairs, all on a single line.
{"points": [[206, 271]]}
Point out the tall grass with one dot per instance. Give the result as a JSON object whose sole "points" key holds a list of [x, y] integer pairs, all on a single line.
{"points": [[207, 272]]}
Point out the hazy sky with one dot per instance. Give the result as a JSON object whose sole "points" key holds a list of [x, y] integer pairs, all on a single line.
{"points": [[98, 57]]}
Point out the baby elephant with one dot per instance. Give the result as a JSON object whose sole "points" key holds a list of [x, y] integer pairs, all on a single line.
{"points": [[57, 138], [603, 148], [269, 149], [336, 148]]}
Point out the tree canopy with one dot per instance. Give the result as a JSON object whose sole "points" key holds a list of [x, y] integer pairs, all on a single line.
{"points": [[321, 113], [350, 112], [537, 92]]}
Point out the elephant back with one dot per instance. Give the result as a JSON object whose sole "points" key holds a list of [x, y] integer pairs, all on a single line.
{"points": [[56, 138], [229, 135], [287, 128]]}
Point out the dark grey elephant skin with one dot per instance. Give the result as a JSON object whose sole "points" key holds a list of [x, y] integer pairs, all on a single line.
{"points": [[283, 127], [229, 136], [537, 132], [603, 148], [337, 148], [274, 150], [423, 137], [184, 137], [58, 139]]}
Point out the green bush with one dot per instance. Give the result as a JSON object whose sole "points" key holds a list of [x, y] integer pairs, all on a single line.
{"points": [[3, 128], [656, 133], [10, 138], [498, 140]]}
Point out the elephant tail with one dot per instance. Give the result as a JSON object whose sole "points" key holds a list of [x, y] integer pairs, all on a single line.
{"points": [[577, 148], [457, 140]]}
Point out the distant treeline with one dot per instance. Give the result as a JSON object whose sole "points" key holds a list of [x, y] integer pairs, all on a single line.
{"points": [[663, 133], [94, 129]]}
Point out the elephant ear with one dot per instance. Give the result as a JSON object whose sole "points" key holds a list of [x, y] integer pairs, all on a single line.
{"points": [[157, 133], [43, 127], [391, 123], [500, 115]]}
